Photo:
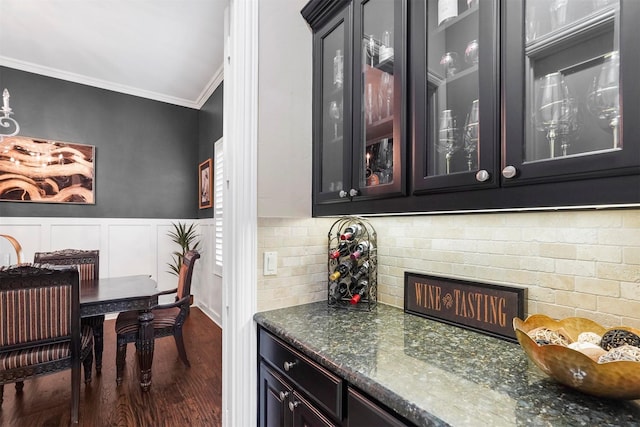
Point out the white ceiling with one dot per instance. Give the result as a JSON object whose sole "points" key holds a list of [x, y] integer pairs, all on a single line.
{"points": [[167, 50]]}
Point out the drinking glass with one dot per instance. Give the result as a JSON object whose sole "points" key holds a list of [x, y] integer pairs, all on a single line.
{"points": [[471, 133], [556, 112], [386, 88], [334, 113], [558, 13], [603, 99], [471, 52], [447, 137], [386, 48], [449, 62], [369, 103], [338, 66], [370, 47]]}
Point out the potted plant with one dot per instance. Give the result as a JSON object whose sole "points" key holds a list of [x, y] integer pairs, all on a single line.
{"points": [[187, 238]]}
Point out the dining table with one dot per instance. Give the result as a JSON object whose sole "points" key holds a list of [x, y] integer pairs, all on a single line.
{"points": [[125, 293]]}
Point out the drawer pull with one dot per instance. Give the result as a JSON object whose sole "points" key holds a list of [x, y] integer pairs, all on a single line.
{"points": [[293, 405], [283, 395], [289, 365]]}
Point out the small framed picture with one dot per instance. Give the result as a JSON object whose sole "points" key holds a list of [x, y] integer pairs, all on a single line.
{"points": [[205, 185]]}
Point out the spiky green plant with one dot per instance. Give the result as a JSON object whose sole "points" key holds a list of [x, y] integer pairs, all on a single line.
{"points": [[187, 238]]}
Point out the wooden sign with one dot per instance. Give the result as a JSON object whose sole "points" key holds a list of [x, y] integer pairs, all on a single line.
{"points": [[482, 307]]}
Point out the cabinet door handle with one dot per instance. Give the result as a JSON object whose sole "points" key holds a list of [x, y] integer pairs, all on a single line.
{"points": [[289, 365], [284, 395], [482, 175], [293, 405], [342, 194], [509, 172], [353, 192]]}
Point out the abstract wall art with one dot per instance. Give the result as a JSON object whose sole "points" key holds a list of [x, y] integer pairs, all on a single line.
{"points": [[42, 170]]}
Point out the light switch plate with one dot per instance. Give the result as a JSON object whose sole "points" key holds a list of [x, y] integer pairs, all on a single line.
{"points": [[270, 264]]}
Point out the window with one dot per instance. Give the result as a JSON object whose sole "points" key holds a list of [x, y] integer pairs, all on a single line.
{"points": [[218, 204]]}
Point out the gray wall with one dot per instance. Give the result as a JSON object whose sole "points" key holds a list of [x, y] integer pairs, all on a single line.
{"points": [[147, 152], [210, 130]]}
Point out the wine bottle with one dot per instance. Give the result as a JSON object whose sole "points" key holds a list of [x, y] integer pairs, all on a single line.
{"points": [[351, 232], [363, 248], [447, 9], [342, 270], [338, 291], [359, 292], [362, 271], [343, 249]]}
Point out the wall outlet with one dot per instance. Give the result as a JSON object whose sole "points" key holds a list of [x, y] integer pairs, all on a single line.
{"points": [[270, 264]]}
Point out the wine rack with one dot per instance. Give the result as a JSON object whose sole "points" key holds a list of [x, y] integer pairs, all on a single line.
{"points": [[352, 267]]}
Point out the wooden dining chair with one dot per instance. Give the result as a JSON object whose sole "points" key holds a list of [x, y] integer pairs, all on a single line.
{"points": [[88, 262], [168, 318], [40, 331]]}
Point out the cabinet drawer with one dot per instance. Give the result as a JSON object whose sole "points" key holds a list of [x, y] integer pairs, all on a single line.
{"points": [[364, 412], [320, 385]]}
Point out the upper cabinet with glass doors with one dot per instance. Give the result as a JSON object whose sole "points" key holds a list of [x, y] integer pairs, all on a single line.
{"points": [[568, 65], [456, 94], [359, 88], [511, 104]]}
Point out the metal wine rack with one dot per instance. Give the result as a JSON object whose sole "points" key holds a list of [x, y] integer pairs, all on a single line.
{"points": [[356, 261]]}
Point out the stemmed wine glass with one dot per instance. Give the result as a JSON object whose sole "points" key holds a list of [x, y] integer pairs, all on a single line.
{"points": [[471, 133], [556, 112], [334, 113], [386, 89], [447, 137], [370, 47], [604, 97]]}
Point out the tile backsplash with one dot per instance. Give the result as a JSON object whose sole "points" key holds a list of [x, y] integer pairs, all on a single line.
{"points": [[574, 263]]}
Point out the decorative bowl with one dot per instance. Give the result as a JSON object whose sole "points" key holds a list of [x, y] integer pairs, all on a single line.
{"points": [[614, 380]]}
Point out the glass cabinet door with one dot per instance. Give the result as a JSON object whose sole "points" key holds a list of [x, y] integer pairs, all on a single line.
{"points": [[456, 94], [378, 151], [332, 127], [567, 116]]}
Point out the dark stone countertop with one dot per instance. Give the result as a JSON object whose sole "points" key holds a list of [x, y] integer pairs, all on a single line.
{"points": [[435, 374]]}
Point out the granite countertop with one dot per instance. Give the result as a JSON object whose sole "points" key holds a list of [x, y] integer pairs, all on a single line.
{"points": [[435, 374]]}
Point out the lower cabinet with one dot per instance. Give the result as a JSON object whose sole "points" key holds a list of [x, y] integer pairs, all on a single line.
{"points": [[363, 412], [293, 391], [281, 406]]}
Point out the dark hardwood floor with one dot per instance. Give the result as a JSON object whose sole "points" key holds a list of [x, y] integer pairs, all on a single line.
{"points": [[179, 396]]}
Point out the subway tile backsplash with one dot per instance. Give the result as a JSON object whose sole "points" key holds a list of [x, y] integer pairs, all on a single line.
{"points": [[574, 263]]}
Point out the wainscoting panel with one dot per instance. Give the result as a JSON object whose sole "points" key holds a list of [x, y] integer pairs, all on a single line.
{"points": [[127, 246]]}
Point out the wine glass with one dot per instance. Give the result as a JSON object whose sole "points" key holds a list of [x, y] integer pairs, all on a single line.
{"points": [[558, 13], [603, 99], [370, 45], [556, 112], [334, 113], [449, 62], [370, 103], [447, 137], [386, 88], [471, 52], [471, 133]]}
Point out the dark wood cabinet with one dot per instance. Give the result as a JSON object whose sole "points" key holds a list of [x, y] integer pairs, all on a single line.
{"points": [[509, 104], [359, 88], [295, 391], [567, 82], [364, 412]]}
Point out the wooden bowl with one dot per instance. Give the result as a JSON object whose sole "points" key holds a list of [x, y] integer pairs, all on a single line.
{"points": [[614, 380]]}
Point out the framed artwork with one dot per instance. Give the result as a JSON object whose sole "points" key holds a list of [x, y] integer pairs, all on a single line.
{"points": [[205, 173], [46, 171]]}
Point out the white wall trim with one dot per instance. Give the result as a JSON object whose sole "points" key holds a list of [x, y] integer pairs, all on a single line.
{"points": [[117, 239], [239, 372]]}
